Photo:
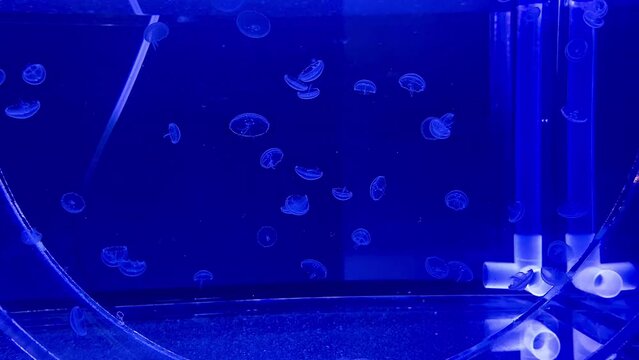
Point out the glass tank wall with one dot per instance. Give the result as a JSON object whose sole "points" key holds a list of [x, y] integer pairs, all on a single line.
{"points": [[340, 179]]}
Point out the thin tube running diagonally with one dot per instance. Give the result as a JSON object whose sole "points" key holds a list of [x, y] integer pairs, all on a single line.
{"points": [[6, 324], [135, 6], [119, 106]]}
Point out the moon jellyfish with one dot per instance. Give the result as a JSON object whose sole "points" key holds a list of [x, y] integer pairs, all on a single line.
{"points": [[132, 268], [271, 158], [31, 236], [156, 32], [3, 76], [531, 13], [447, 119], [361, 237], [412, 82], [310, 94], [23, 109], [552, 276], [377, 188], [113, 256], [295, 205], [438, 129], [433, 128], [312, 72], [456, 200], [253, 24], [559, 252], [34, 74], [516, 212], [249, 125], [459, 271], [227, 5], [571, 210], [72, 202], [574, 115], [342, 194], [174, 133], [592, 19], [266, 236], [520, 280], [296, 84], [309, 173], [201, 277], [576, 49], [436, 267], [314, 269], [365, 87], [77, 320]]}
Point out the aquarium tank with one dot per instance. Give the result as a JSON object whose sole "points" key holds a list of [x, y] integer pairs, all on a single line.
{"points": [[319, 179]]}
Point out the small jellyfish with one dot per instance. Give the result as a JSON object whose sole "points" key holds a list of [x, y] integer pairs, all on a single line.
{"points": [[270, 158], [113, 256], [459, 271], [295, 205], [227, 5], [312, 72], [72, 202], [531, 14], [249, 125], [574, 115], [342, 194], [456, 200], [576, 50], [571, 210], [377, 188], [592, 19], [77, 320], [174, 133], [559, 252], [23, 109], [438, 129], [253, 24], [296, 84], [120, 316], [520, 280], [266, 236], [31, 236], [201, 277], [412, 82], [314, 269], [3, 76], [132, 268], [447, 119], [425, 128], [552, 276], [309, 173], [310, 94], [365, 87], [516, 212], [156, 32], [361, 237], [34, 74], [436, 267]]}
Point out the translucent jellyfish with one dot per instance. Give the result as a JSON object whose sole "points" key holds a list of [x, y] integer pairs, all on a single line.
{"points": [[132, 268], [378, 188], [438, 129], [309, 173], [456, 200], [574, 115], [576, 50], [314, 269], [531, 14], [312, 72], [425, 128], [23, 109], [436, 267], [174, 133], [559, 252], [552, 276], [520, 280], [271, 158], [571, 210], [31, 236], [310, 94], [249, 125], [516, 212], [266, 236], [156, 32], [77, 320], [412, 82], [227, 5], [295, 205], [72, 202], [34, 74], [592, 19], [459, 271], [201, 277], [365, 87], [342, 194], [447, 119], [361, 237], [113, 256], [253, 24], [296, 84], [3, 76]]}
